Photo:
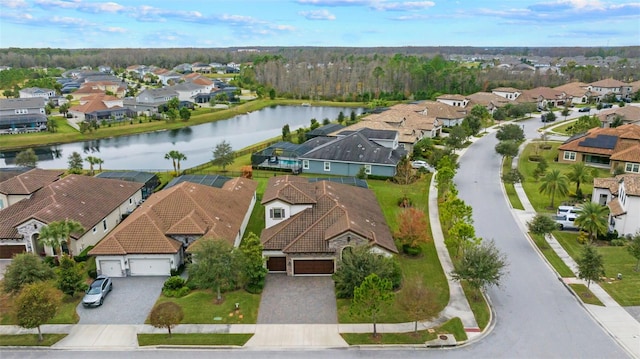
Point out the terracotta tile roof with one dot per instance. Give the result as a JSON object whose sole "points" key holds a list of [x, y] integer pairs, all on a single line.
{"points": [[544, 92], [202, 81], [628, 131], [486, 98], [631, 184], [338, 209], [575, 89], [85, 199], [609, 183], [29, 182], [630, 113], [615, 207], [184, 209], [442, 110], [608, 83], [631, 154]]}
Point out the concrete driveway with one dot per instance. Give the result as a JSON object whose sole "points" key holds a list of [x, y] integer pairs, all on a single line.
{"points": [[129, 302], [298, 300]]}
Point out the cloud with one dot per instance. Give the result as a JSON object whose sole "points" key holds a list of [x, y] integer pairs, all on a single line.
{"points": [[90, 7], [317, 15], [403, 6], [14, 4], [564, 11], [115, 29], [380, 5]]}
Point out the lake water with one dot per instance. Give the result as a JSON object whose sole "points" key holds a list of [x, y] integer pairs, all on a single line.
{"points": [[146, 151]]}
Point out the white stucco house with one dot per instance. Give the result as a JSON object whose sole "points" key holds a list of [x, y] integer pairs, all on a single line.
{"points": [[622, 195]]}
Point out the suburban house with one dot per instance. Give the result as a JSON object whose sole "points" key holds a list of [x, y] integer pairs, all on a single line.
{"points": [[622, 195], [149, 180], [23, 185], [96, 108], [156, 96], [509, 93], [489, 100], [167, 77], [117, 88], [445, 115], [309, 224], [627, 114], [605, 147], [98, 204], [217, 181], [375, 151], [611, 86], [22, 115], [325, 130], [578, 92], [154, 238], [544, 97], [454, 100], [37, 92], [286, 155], [187, 91]]}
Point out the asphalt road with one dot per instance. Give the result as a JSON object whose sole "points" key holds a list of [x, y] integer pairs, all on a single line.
{"points": [[536, 315]]}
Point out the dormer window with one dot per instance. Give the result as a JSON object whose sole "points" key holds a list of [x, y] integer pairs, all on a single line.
{"points": [[277, 213]]}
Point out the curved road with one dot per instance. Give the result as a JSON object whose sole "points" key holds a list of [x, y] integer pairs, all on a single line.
{"points": [[536, 315]]}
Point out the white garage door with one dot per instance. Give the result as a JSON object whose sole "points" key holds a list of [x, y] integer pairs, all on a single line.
{"points": [[111, 268], [150, 266]]}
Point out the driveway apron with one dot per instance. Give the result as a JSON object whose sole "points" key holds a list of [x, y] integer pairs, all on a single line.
{"points": [[298, 300], [129, 302]]}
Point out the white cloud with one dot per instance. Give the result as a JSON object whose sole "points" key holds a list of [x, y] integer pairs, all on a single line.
{"points": [[115, 29], [14, 4], [318, 15]]}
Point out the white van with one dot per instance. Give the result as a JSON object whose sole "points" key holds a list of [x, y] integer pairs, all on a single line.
{"points": [[565, 210]]}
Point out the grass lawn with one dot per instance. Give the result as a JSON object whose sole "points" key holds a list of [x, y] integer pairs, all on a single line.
{"points": [[30, 340], [585, 294], [66, 313], [539, 201], [551, 256], [199, 307], [453, 326], [193, 339], [510, 189], [479, 306], [426, 267], [562, 129], [616, 260]]}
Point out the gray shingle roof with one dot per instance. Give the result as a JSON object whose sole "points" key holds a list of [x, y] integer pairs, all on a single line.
{"points": [[357, 148]]}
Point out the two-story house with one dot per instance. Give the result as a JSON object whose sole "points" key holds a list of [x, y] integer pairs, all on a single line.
{"points": [[22, 115], [37, 92], [622, 195], [509, 93], [157, 96], [611, 86]]}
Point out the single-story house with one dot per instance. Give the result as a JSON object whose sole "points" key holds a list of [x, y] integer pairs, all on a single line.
{"points": [[544, 97], [149, 180], [605, 147], [577, 91], [98, 204], [217, 181], [453, 100], [37, 92], [24, 184], [376, 151], [285, 156], [622, 195], [309, 224], [489, 100], [156, 96], [155, 238], [509, 93]]}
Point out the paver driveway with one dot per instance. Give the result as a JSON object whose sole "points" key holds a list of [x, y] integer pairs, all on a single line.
{"points": [[298, 300], [129, 302]]}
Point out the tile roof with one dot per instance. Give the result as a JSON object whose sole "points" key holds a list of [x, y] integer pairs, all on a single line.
{"points": [[455, 97], [29, 182], [506, 89], [609, 183], [629, 113], [486, 98], [544, 92], [627, 131], [337, 209], [85, 199], [608, 83], [184, 209], [575, 89], [631, 184], [631, 154], [615, 207]]}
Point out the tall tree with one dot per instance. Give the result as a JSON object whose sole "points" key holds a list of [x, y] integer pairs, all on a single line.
{"points": [[634, 249], [25, 268], [580, 173], [554, 183], [92, 161], [462, 234], [185, 114], [27, 158], [417, 301], [99, 162], [372, 297], [216, 265], [75, 163], [542, 224], [166, 315], [457, 137], [510, 131], [70, 277], [508, 148], [593, 218], [58, 232], [481, 266], [36, 304], [590, 265], [223, 155], [254, 268], [175, 157]]}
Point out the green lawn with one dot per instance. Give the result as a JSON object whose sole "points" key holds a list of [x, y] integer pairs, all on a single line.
{"points": [[193, 339], [479, 306], [541, 202], [510, 189], [453, 326], [585, 294], [551, 256], [199, 307], [66, 312], [30, 340], [616, 260]]}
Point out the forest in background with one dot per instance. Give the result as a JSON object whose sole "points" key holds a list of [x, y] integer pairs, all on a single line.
{"points": [[351, 74]]}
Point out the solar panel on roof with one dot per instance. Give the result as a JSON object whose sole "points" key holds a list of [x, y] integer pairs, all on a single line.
{"points": [[600, 141], [206, 180], [353, 181]]}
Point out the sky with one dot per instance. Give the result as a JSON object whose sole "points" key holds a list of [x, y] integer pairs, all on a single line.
{"points": [[344, 23]]}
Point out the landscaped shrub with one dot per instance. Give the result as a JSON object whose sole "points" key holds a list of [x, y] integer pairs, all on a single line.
{"points": [[176, 287], [93, 273], [412, 251], [178, 270], [84, 255], [618, 242]]}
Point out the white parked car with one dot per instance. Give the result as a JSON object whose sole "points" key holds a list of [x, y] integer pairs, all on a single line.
{"points": [[421, 164]]}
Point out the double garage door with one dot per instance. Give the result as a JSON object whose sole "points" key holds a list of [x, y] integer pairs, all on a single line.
{"points": [[313, 266], [137, 267], [8, 251]]}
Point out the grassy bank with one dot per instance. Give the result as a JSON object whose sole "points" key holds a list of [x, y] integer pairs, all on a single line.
{"points": [[453, 326], [30, 340], [193, 339]]}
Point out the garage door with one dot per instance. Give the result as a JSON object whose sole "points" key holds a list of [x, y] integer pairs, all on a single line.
{"points": [[319, 266], [277, 264], [7, 252], [150, 266], [111, 268]]}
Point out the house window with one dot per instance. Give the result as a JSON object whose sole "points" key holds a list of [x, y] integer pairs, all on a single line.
{"points": [[95, 229], [104, 224], [305, 164], [569, 156], [276, 213], [367, 169], [130, 200], [327, 166], [632, 167]]}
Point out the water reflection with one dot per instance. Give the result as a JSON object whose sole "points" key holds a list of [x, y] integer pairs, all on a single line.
{"points": [[146, 151]]}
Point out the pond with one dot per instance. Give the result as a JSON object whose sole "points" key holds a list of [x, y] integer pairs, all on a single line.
{"points": [[146, 151]]}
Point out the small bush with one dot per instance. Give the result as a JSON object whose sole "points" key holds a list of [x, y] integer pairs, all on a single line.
{"points": [[173, 283], [405, 202], [535, 158], [176, 293], [255, 288], [93, 273], [83, 256], [618, 242], [411, 251]]}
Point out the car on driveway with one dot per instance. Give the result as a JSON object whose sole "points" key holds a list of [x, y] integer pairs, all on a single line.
{"points": [[585, 109], [97, 291], [421, 164]]}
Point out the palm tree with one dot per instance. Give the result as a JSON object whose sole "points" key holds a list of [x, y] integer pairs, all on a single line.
{"points": [[99, 162], [58, 232], [92, 161], [554, 182], [592, 217], [175, 157], [579, 173]]}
